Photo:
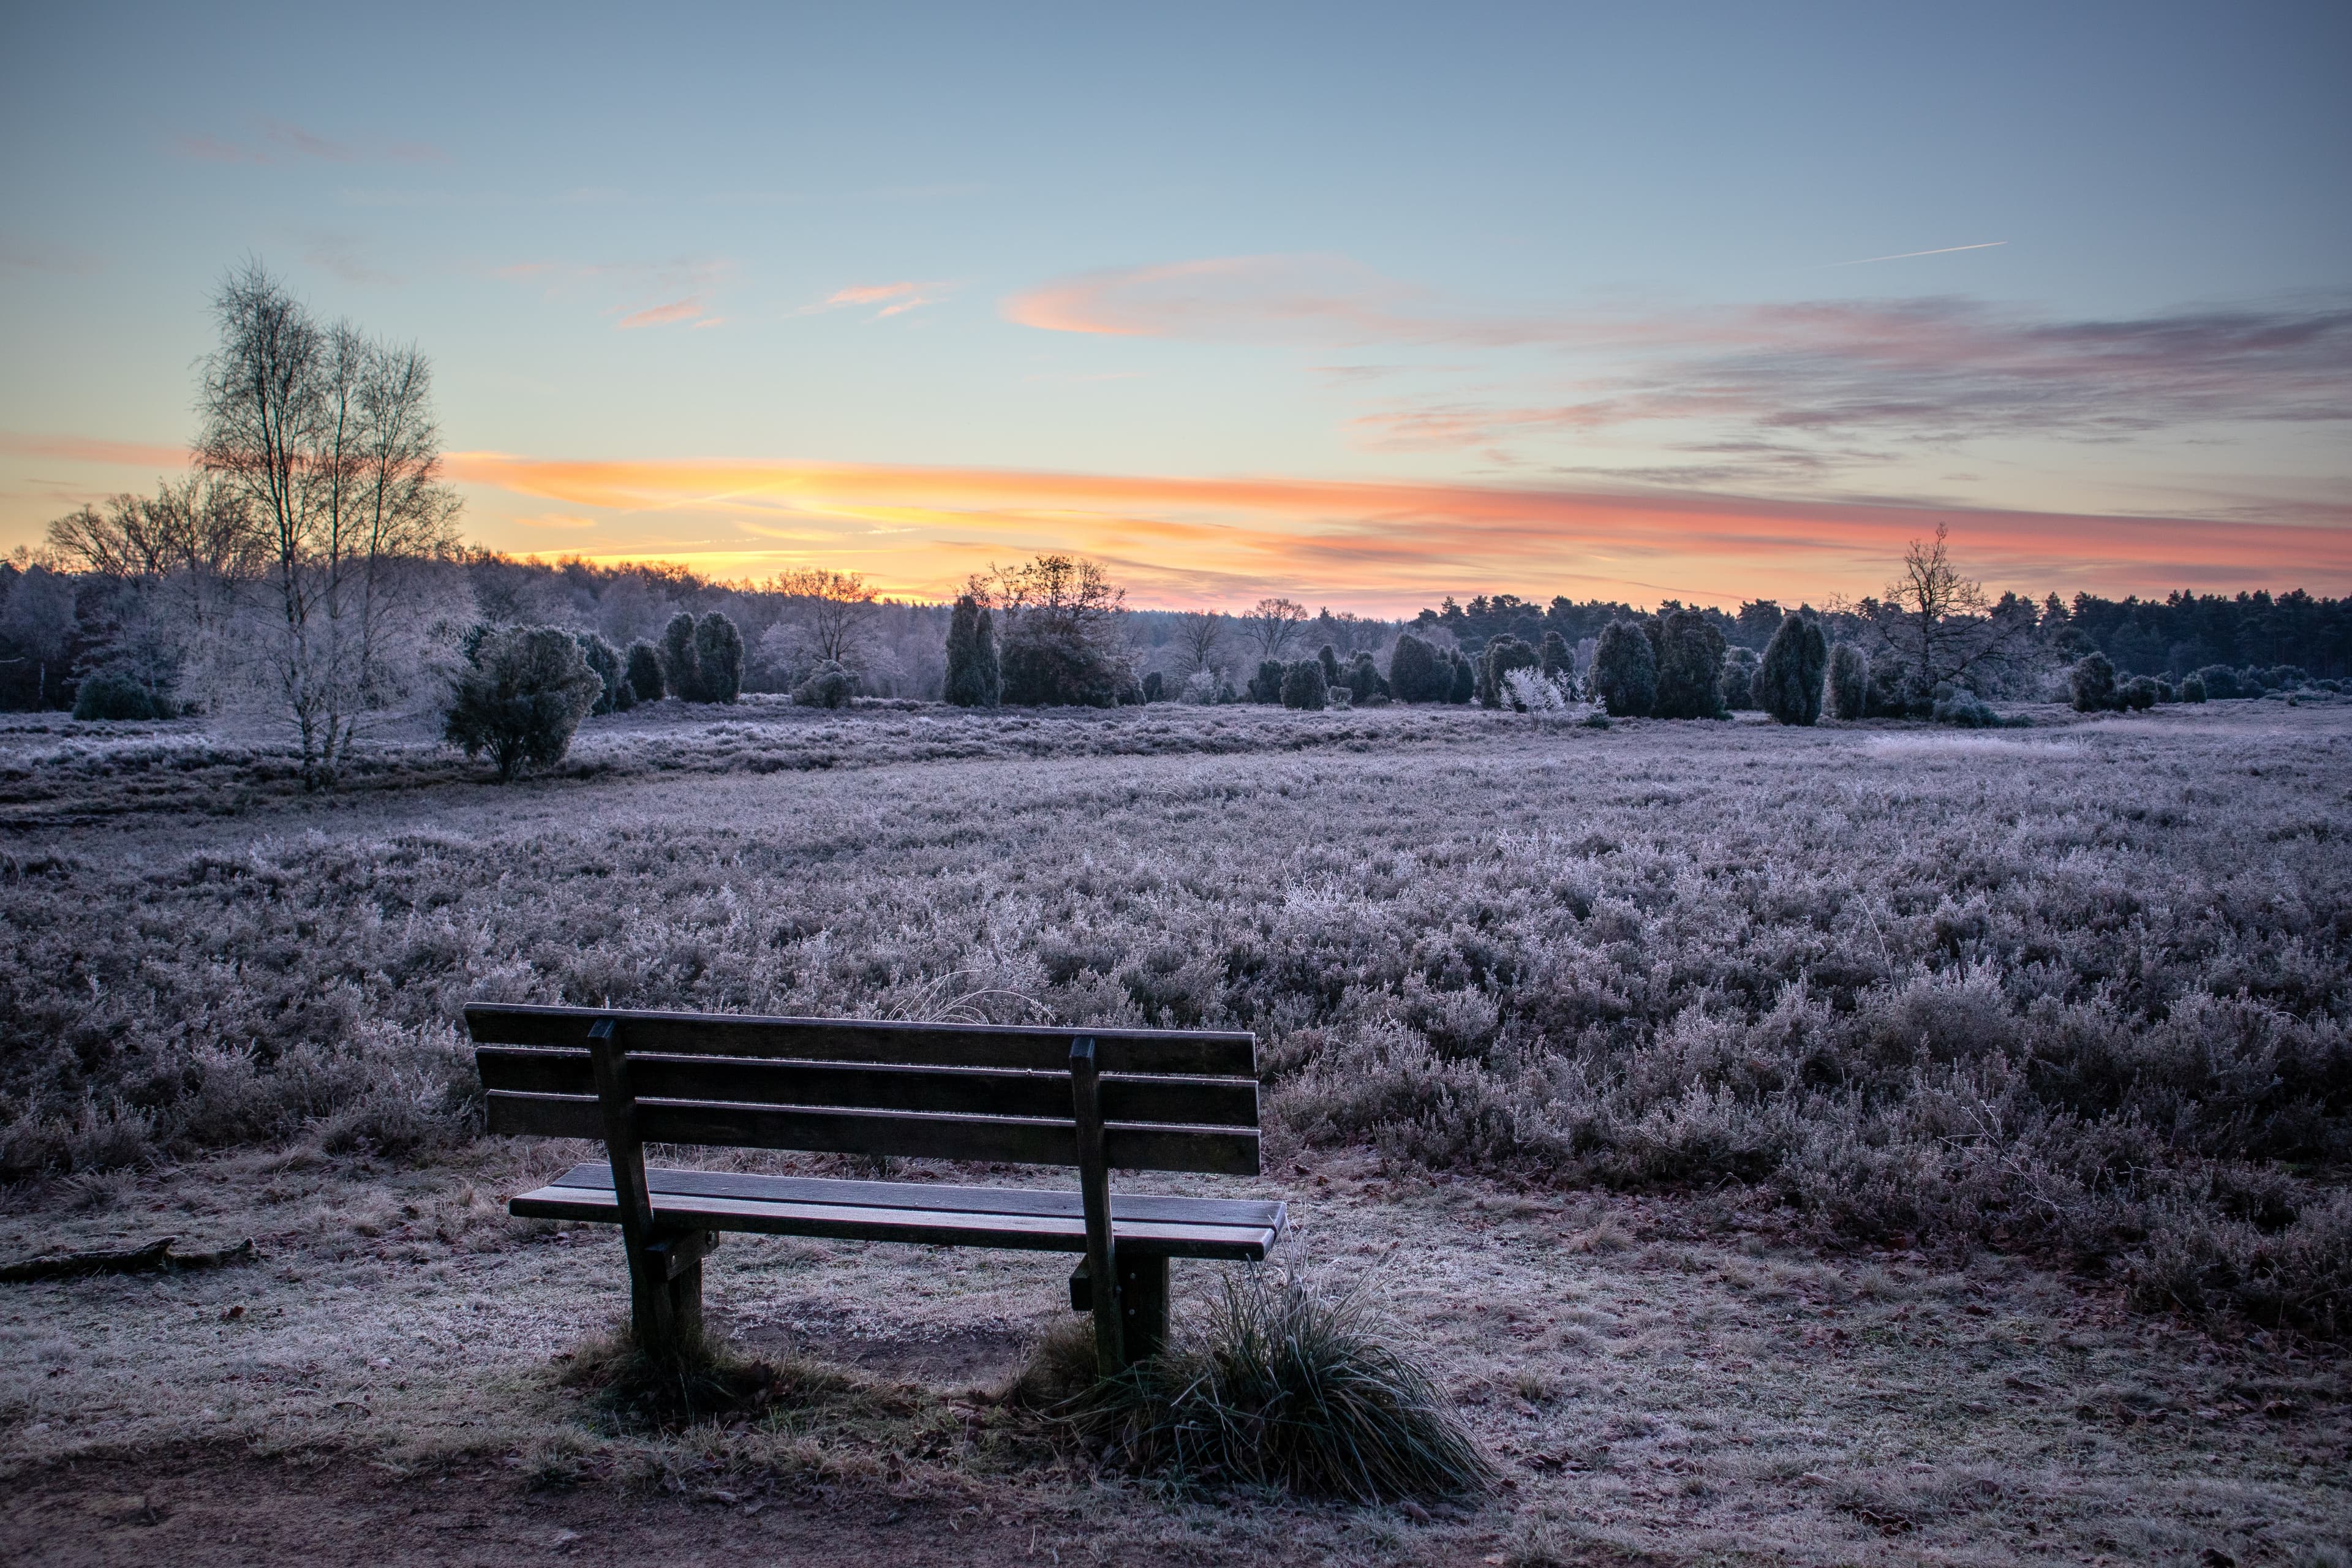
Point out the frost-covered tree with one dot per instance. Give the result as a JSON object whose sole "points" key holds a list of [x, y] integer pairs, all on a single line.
{"points": [[679, 672], [520, 696], [1788, 682], [1495, 661], [604, 660], [1689, 655], [973, 680], [1849, 683], [719, 657], [1625, 670], [829, 685], [1303, 684], [1064, 640], [2092, 684], [646, 671]]}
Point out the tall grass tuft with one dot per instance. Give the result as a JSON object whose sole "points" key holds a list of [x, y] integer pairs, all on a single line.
{"points": [[1290, 1385], [630, 1390]]}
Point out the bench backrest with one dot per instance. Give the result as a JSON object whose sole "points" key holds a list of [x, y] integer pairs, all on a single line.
{"points": [[1170, 1099]]}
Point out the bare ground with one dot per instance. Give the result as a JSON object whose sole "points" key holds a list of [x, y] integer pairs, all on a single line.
{"points": [[1663, 1380]]}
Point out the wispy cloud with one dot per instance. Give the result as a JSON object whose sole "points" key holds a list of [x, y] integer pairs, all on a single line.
{"points": [[282, 142], [1369, 544], [92, 449], [1907, 255], [893, 298], [689, 308], [345, 256], [43, 256]]}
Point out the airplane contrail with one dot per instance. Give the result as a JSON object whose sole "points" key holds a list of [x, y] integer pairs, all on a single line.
{"points": [[1906, 255]]}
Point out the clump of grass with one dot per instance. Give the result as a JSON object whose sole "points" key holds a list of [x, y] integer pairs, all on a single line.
{"points": [[702, 1382], [1286, 1384]]}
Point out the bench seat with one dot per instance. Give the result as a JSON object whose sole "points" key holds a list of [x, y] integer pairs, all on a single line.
{"points": [[1038, 1221]]}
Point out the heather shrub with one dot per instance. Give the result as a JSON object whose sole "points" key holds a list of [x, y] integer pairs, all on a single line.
{"points": [[1303, 684], [1848, 682], [2090, 685], [645, 671], [1625, 670], [604, 660], [1739, 666], [679, 672], [1689, 654], [829, 685], [719, 657], [521, 698], [1788, 680]]}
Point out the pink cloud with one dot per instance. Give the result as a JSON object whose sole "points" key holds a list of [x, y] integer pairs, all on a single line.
{"points": [[89, 449], [685, 310], [896, 298]]}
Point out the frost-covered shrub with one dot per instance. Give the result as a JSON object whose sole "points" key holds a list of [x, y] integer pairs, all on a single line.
{"points": [[1964, 710], [604, 660], [2219, 681], [1531, 691], [109, 695], [680, 671], [1739, 681], [1200, 689], [1788, 681], [829, 685], [717, 657], [645, 673], [1848, 682], [1265, 686], [2090, 685], [1364, 680], [1558, 660], [1418, 672], [974, 678], [1689, 657], [1625, 670], [1495, 661], [520, 698], [1303, 685]]}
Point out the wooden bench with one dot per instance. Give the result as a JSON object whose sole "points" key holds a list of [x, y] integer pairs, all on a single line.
{"points": [[1097, 1100]]}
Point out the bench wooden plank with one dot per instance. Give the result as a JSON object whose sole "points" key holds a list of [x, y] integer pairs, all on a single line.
{"points": [[1216, 1054], [1222, 1150], [972, 1091], [1248, 1212], [937, 1228]]}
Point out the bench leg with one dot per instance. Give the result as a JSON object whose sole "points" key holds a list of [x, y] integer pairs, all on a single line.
{"points": [[666, 1293], [1143, 1304]]}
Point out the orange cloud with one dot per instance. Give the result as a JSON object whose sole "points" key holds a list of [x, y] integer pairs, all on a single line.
{"points": [[1385, 546], [84, 449], [685, 310]]}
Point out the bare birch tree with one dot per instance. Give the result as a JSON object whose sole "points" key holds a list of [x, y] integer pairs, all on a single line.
{"points": [[1199, 634], [1272, 623], [328, 437]]}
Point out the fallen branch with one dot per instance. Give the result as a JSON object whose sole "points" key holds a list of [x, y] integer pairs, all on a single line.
{"points": [[155, 1257]]}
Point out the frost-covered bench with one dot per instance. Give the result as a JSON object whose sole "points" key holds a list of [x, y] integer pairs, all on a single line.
{"points": [[1132, 1099]]}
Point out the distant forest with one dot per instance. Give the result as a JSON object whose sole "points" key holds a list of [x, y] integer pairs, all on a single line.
{"points": [[56, 623]]}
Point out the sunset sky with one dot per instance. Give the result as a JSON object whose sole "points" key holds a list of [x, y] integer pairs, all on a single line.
{"points": [[1360, 304]]}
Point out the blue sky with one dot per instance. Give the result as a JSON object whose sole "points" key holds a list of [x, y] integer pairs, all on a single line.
{"points": [[1363, 304]]}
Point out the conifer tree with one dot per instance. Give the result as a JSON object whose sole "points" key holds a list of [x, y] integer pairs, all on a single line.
{"points": [[1849, 681], [679, 668], [1788, 682], [645, 671], [719, 657], [1625, 670], [973, 680]]}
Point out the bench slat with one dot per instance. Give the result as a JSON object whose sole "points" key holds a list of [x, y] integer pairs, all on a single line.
{"points": [[935, 1227], [595, 1176], [1166, 1051], [976, 1091], [1223, 1150]]}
